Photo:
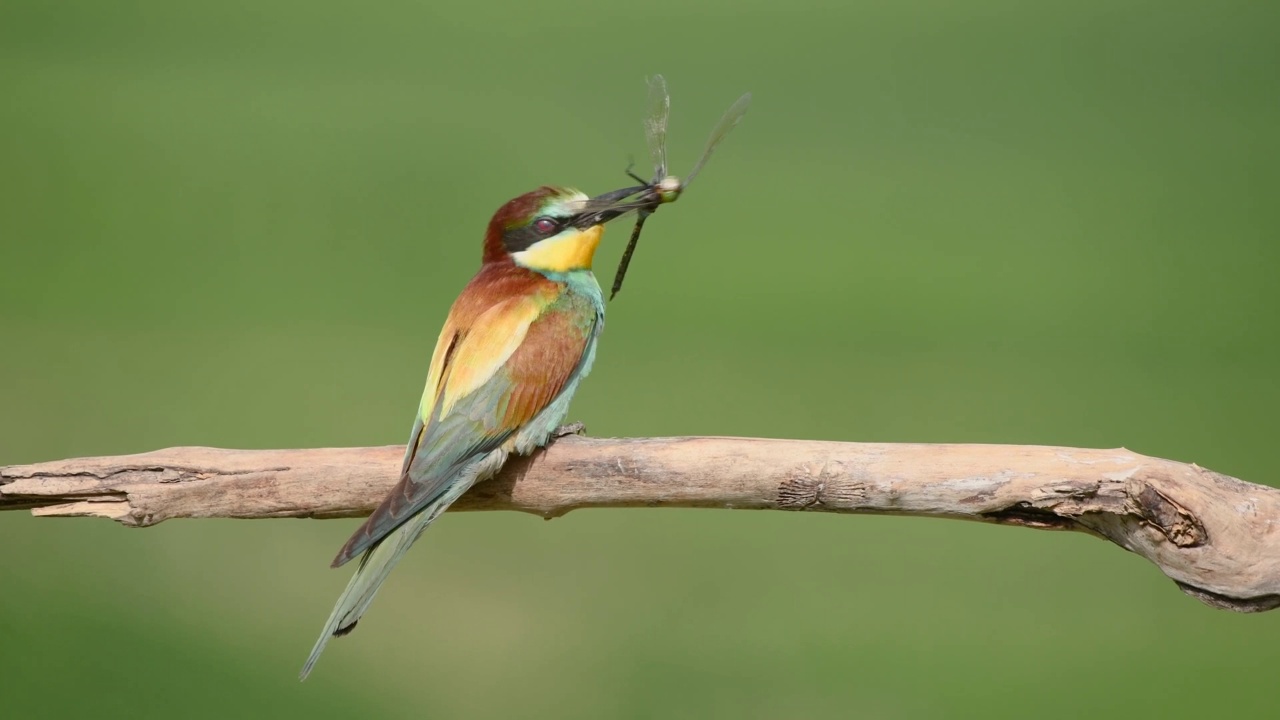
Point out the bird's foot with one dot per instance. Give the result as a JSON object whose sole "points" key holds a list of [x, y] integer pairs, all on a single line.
{"points": [[573, 428]]}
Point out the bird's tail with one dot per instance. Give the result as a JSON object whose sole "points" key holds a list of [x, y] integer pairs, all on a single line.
{"points": [[375, 566]]}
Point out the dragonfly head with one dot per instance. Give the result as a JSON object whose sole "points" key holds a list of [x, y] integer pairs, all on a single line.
{"points": [[668, 189]]}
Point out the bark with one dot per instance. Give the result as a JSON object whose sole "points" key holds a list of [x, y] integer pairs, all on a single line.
{"points": [[1217, 537]]}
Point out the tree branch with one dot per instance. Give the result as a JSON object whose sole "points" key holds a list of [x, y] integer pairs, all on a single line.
{"points": [[1216, 536]]}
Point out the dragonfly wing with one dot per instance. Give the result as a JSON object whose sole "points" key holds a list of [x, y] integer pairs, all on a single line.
{"points": [[655, 125], [731, 117]]}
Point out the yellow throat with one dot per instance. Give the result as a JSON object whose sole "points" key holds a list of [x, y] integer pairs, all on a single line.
{"points": [[570, 250]]}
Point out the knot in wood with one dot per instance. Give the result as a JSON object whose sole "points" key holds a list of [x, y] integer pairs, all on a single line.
{"points": [[798, 493], [1178, 525], [811, 484]]}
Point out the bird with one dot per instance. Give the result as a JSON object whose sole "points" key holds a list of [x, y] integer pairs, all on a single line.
{"points": [[516, 343]]}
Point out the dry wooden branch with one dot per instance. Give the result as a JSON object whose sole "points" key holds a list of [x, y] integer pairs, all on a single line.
{"points": [[1216, 536]]}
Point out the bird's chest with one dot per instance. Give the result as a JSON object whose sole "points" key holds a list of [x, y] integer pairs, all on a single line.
{"points": [[582, 303]]}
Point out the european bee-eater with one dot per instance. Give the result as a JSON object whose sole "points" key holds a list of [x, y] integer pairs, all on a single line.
{"points": [[514, 347]]}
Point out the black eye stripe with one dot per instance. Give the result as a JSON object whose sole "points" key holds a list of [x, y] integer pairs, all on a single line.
{"points": [[521, 238]]}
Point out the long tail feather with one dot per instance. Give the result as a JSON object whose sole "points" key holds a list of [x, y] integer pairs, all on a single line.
{"points": [[375, 566]]}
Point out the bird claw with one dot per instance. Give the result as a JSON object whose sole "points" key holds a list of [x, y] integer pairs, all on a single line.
{"points": [[573, 428]]}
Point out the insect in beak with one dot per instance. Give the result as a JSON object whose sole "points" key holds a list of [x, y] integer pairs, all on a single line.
{"points": [[664, 188]]}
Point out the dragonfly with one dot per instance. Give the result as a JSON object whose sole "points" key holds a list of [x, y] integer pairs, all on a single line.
{"points": [[664, 188]]}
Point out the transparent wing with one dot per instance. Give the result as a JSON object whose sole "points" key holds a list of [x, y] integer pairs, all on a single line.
{"points": [[731, 117], [655, 125]]}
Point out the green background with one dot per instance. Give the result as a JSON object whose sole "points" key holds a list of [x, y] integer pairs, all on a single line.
{"points": [[241, 225]]}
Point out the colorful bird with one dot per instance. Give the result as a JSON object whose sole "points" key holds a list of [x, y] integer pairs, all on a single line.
{"points": [[514, 347]]}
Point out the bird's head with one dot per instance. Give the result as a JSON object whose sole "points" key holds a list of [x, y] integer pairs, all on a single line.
{"points": [[554, 230]]}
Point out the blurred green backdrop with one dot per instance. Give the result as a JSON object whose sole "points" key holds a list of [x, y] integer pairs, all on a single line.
{"points": [[240, 224]]}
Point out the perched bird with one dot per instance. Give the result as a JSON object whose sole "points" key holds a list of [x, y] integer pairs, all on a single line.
{"points": [[514, 347]]}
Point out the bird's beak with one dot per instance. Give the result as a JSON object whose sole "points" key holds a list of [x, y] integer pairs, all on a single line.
{"points": [[611, 205]]}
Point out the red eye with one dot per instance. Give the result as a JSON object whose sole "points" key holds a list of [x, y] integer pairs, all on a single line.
{"points": [[545, 225]]}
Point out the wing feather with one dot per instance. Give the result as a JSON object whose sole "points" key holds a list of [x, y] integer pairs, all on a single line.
{"points": [[488, 378]]}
